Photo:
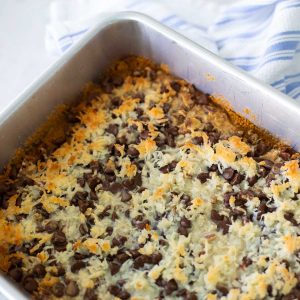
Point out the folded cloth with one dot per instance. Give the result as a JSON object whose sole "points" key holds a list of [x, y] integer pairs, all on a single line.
{"points": [[261, 37]]}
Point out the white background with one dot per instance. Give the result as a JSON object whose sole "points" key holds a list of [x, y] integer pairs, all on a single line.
{"points": [[22, 52]]}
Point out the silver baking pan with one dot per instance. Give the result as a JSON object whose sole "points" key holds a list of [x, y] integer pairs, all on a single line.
{"points": [[130, 33]]}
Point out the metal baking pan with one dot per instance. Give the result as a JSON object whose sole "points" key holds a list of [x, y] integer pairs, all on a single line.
{"points": [[130, 33]]}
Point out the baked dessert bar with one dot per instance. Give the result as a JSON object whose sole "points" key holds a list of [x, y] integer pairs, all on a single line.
{"points": [[146, 189]]}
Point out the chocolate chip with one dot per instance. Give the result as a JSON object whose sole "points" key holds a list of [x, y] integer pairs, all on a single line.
{"points": [[213, 168], [110, 177], [286, 263], [184, 222], [246, 261], [144, 134], [60, 271], [221, 221], [132, 152], [262, 196], [116, 101], [93, 182], [269, 289], [59, 240], [19, 201], [252, 180], [78, 196], [203, 177], [224, 225], [114, 216], [20, 217], [160, 281], [190, 296], [3, 203], [139, 111], [294, 294], [137, 179], [90, 294], [228, 173], [160, 141], [117, 291], [268, 164], [241, 198], [164, 89], [140, 96], [93, 196], [15, 262], [170, 141], [236, 213], [237, 178], [24, 181], [262, 209], [285, 155], [118, 241], [115, 188], [105, 212], [173, 130], [156, 257], [198, 140], [72, 289], [113, 129], [81, 182], [289, 216], [215, 216], [140, 261], [58, 289], [260, 149], [169, 167], [122, 257], [30, 285], [122, 140], [16, 274], [213, 137], [129, 184], [176, 86], [170, 287], [95, 165], [51, 226], [200, 98], [222, 289], [39, 271], [166, 107], [125, 195], [139, 223], [77, 266], [117, 81], [186, 200], [114, 267], [81, 256], [181, 293], [109, 230], [39, 208], [123, 295], [276, 168], [164, 169], [183, 231], [83, 205]]}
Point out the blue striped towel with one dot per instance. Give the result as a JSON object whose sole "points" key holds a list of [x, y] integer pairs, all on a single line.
{"points": [[261, 37]]}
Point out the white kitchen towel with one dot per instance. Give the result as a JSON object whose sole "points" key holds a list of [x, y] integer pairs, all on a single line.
{"points": [[261, 37]]}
